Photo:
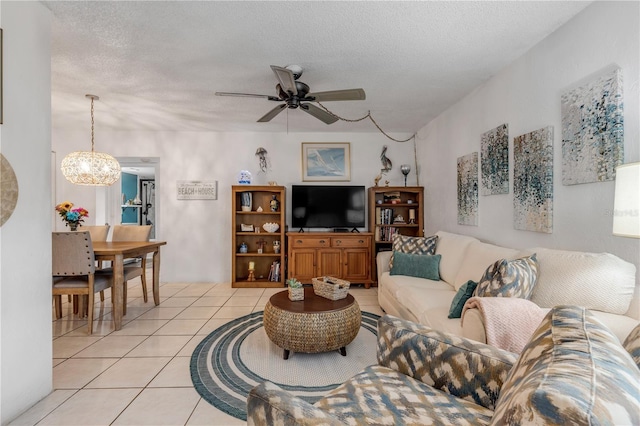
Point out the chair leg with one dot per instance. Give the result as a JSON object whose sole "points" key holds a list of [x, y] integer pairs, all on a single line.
{"points": [[75, 304], [102, 296], [90, 296], [143, 278], [124, 298], [57, 300]]}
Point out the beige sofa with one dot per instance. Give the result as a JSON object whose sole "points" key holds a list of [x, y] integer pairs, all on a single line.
{"points": [[600, 282]]}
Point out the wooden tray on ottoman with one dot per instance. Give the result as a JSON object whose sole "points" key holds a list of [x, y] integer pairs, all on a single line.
{"points": [[330, 288]]}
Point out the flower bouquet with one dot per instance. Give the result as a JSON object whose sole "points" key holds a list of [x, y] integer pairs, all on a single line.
{"points": [[70, 216]]}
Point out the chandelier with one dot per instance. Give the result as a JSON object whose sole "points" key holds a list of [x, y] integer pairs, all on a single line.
{"points": [[90, 167]]}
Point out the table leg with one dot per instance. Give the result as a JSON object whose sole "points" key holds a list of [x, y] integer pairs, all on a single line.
{"points": [[285, 354], [343, 351], [117, 291], [156, 277]]}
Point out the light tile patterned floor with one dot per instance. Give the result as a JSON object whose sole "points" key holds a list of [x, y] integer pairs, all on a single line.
{"points": [[140, 375]]}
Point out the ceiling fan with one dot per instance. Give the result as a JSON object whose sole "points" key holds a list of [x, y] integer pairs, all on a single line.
{"points": [[296, 94]]}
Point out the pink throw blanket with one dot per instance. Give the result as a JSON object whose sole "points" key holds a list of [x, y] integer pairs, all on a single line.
{"points": [[509, 322]]}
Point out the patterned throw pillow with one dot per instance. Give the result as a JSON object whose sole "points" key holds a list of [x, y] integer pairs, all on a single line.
{"points": [[413, 245], [464, 293], [632, 344], [509, 278]]}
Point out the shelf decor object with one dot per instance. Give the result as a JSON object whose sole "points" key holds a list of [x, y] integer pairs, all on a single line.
{"points": [[260, 265], [405, 169], [91, 167]]}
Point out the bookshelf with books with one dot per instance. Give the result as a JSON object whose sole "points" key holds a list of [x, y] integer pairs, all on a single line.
{"points": [[258, 257], [394, 210]]}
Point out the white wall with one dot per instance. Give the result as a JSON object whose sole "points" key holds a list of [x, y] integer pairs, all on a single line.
{"points": [[25, 239], [198, 232], [526, 95]]}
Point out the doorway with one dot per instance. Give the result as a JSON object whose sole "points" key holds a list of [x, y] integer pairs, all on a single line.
{"points": [[134, 200]]}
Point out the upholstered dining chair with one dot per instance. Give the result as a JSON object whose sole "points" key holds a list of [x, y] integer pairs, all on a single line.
{"points": [[133, 233], [73, 272], [98, 233]]}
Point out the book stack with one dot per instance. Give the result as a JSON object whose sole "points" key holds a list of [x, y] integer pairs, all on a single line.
{"points": [[384, 216], [274, 272]]}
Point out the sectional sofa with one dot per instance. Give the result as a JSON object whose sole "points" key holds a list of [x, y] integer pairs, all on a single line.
{"points": [[600, 282], [572, 371]]}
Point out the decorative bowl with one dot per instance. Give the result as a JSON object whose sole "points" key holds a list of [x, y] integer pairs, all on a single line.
{"points": [[271, 227]]}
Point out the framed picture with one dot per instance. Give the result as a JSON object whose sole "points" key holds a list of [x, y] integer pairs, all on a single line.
{"points": [[326, 162]]}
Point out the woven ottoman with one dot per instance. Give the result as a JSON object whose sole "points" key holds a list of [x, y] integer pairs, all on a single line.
{"points": [[312, 325]]}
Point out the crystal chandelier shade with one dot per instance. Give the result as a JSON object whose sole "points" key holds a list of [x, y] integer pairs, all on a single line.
{"points": [[90, 167]]}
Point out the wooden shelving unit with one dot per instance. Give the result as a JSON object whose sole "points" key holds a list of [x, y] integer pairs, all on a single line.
{"points": [[261, 197], [405, 200]]}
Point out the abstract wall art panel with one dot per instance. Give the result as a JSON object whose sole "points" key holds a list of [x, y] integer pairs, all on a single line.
{"points": [[468, 189], [593, 130], [494, 161], [533, 181]]}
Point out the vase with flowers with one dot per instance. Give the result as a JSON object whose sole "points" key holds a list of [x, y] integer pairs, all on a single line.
{"points": [[70, 216]]}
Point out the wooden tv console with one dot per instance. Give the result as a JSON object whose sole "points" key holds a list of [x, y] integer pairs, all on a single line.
{"points": [[338, 254]]}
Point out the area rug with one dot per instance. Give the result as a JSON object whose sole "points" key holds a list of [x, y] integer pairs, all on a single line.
{"points": [[238, 355]]}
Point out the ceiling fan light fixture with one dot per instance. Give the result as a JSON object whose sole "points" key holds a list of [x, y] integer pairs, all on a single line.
{"points": [[90, 167]]}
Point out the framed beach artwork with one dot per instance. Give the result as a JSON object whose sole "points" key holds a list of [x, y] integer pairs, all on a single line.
{"points": [[324, 162]]}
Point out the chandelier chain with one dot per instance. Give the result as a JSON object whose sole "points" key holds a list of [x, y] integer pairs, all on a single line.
{"points": [[370, 117], [92, 125]]}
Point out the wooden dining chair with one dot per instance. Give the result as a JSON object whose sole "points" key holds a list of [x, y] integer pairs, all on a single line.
{"points": [[133, 233], [73, 272]]}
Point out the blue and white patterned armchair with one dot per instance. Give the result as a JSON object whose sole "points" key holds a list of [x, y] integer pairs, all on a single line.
{"points": [[573, 371]]}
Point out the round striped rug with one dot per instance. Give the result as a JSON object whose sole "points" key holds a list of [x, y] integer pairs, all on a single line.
{"points": [[238, 355]]}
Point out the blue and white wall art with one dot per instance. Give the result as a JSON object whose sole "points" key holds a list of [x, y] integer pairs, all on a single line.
{"points": [[593, 130], [468, 189], [533, 181], [494, 161]]}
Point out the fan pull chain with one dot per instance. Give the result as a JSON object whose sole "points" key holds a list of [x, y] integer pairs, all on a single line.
{"points": [[370, 118]]}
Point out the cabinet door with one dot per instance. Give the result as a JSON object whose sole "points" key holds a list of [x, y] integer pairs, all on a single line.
{"points": [[330, 262], [356, 264], [302, 265]]}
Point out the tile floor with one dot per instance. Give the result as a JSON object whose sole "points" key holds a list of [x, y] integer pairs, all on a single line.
{"points": [[140, 375]]}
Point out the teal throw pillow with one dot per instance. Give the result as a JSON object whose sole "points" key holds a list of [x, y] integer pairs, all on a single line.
{"points": [[416, 265], [461, 297]]}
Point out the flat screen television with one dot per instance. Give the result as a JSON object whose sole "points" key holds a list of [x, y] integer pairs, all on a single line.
{"points": [[327, 206]]}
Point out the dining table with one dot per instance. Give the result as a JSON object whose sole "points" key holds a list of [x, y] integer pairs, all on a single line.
{"points": [[117, 252]]}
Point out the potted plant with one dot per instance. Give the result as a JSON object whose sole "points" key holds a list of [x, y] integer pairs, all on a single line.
{"points": [[296, 291]]}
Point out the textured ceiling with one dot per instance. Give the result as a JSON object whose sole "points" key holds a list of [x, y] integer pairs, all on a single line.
{"points": [[156, 65]]}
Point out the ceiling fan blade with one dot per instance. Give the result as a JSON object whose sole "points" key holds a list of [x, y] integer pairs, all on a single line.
{"points": [[339, 95], [268, 116], [319, 113], [285, 77], [247, 95]]}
